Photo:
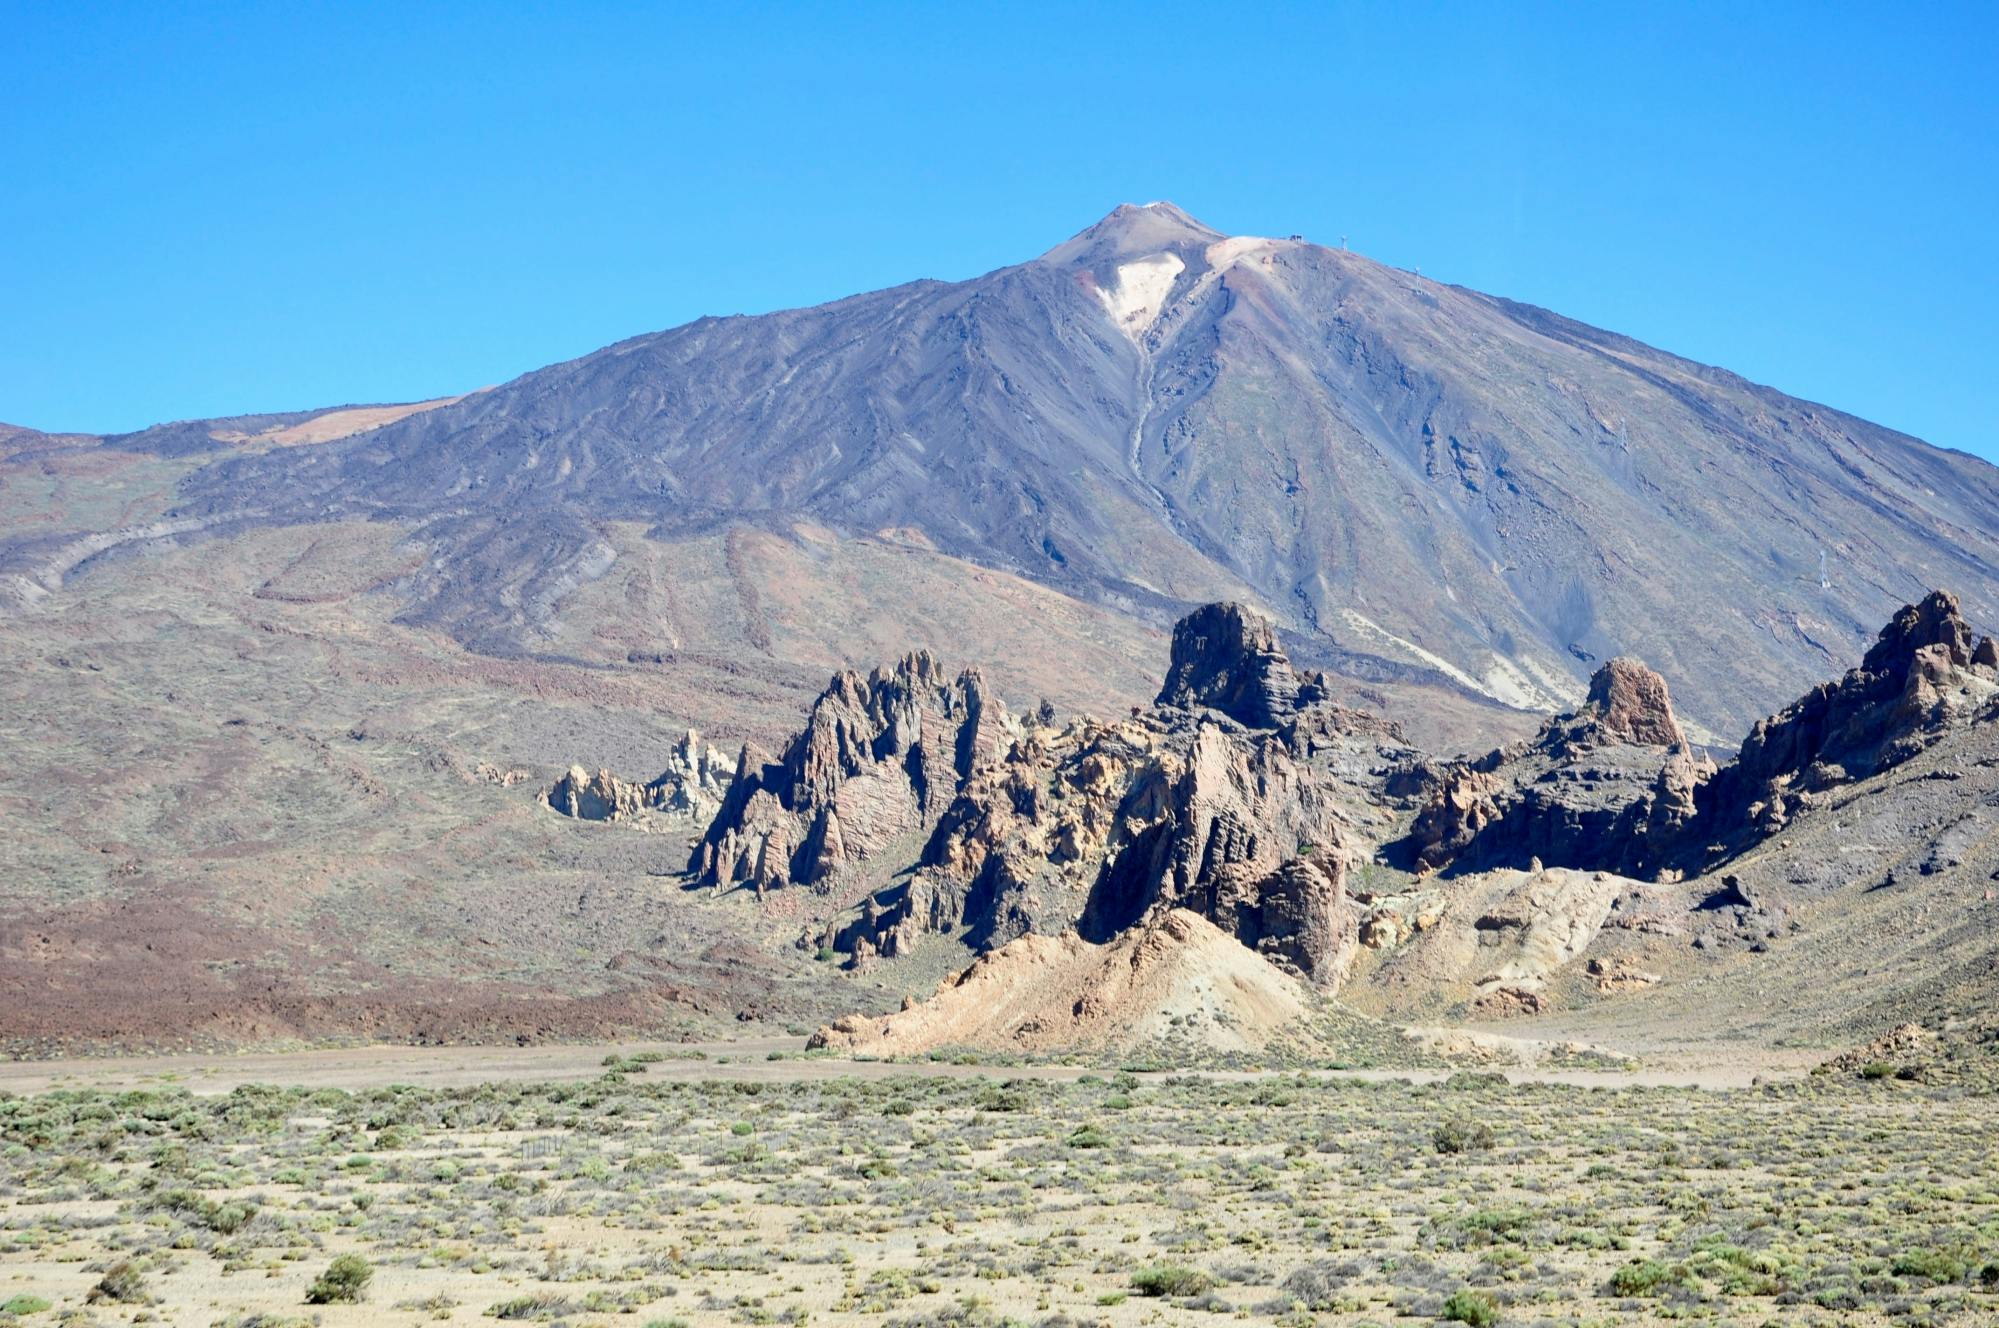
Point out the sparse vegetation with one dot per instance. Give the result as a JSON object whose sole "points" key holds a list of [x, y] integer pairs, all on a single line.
{"points": [[122, 1284], [1284, 1198]]}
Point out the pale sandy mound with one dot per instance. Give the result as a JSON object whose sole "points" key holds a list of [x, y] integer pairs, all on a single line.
{"points": [[335, 424], [1180, 977]]}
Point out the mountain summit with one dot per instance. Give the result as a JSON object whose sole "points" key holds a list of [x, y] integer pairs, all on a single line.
{"points": [[1131, 231], [1414, 479]]}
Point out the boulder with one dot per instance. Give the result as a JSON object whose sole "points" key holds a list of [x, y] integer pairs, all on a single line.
{"points": [[687, 792], [599, 797]]}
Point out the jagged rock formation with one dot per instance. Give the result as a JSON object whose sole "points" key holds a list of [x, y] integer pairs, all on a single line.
{"points": [[1616, 787], [687, 792], [879, 759], [1177, 976], [1233, 827], [1922, 676], [599, 797], [1627, 703], [1570, 865], [1180, 806], [1226, 658], [1607, 787]]}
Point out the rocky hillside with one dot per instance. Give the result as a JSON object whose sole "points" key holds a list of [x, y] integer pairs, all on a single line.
{"points": [[1600, 858], [292, 701], [1414, 479]]}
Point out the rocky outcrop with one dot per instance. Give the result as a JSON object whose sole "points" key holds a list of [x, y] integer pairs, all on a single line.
{"points": [[1627, 703], [599, 797], [1226, 658], [1922, 676], [1232, 827], [1465, 803], [1608, 787], [1616, 787], [1101, 825], [1542, 922], [687, 792], [1129, 820], [879, 759]]}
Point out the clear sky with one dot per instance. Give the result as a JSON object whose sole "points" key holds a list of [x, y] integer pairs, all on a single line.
{"points": [[214, 209]]}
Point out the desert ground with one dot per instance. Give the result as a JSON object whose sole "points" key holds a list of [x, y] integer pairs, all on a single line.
{"points": [[754, 1183]]}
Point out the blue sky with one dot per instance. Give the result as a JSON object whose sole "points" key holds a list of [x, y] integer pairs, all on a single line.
{"points": [[207, 209]]}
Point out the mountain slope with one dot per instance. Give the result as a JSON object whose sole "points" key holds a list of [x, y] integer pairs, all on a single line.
{"points": [[1415, 478]]}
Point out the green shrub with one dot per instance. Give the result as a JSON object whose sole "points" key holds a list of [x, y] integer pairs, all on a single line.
{"points": [[1462, 1136], [1170, 1280], [1471, 1307], [23, 1304], [341, 1283], [1089, 1136], [1935, 1265], [1640, 1277], [1876, 1070], [122, 1284], [226, 1219]]}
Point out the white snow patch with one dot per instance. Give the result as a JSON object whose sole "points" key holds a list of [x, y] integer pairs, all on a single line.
{"points": [[1134, 302]]}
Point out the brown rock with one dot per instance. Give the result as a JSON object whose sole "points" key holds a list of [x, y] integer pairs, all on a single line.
{"points": [[1226, 658], [878, 758], [599, 797], [1918, 679], [1456, 813], [1633, 704]]}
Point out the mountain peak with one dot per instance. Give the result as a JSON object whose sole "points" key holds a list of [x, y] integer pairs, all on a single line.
{"points": [[1134, 230]]}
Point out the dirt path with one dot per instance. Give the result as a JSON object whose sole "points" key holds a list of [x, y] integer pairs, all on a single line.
{"points": [[450, 1067]]}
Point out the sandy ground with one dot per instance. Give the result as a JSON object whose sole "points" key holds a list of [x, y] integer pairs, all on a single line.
{"points": [[450, 1067], [869, 1195]]}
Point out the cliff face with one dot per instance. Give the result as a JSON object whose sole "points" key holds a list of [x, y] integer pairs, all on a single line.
{"points": [[1100, 826], [1922, 676], [1616, 787], [879, 759]]}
